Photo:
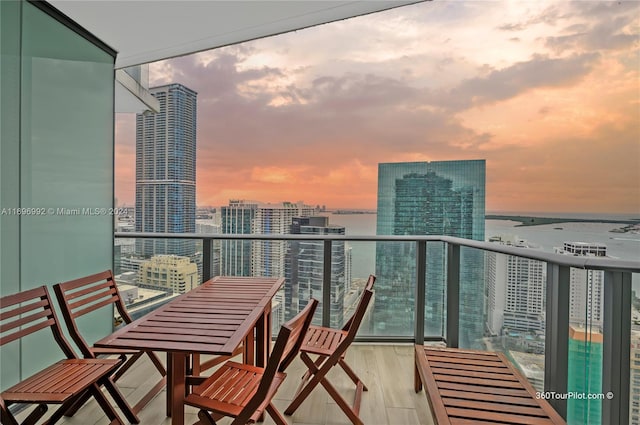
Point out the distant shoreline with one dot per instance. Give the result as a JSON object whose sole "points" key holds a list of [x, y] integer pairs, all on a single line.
{"points": [[538, 221], [345, 212]]}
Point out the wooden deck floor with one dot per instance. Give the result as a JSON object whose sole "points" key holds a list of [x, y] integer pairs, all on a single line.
{"points": [[387, 370]]}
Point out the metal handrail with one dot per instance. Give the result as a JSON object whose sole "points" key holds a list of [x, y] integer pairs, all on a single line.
{"points": [[583, 262]]}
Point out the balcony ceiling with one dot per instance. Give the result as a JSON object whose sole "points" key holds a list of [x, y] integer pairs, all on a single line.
{"points": [[147, 31]]}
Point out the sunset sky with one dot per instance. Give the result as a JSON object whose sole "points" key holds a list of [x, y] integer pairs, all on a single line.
{"points": [[547, 92]]}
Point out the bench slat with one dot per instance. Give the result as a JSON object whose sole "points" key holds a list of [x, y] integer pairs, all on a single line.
{"points": [[518, 392], [493, 398], [503, 418], [502, 376], [497, 407], [476, 381]]}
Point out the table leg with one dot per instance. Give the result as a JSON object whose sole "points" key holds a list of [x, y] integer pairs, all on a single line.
{"points": [[263, 337], [248, 350], [178, 387], [169, 383]]}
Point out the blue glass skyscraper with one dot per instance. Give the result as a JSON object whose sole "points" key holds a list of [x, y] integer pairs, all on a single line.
{"points": [[429, 198], [166, 171]]}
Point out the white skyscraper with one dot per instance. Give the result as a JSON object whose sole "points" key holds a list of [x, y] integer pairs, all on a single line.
{"points": [[587, 293], [237, 218], [268, 257], [515, 291]]}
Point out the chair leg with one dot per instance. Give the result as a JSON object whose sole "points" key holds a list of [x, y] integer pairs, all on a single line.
{"points": [[318, 376], [276, 415], [120, 401], [106, 406], [205, 418], [355, 378], [93, 390], [305, 387], [36, 414], [157, 362], [5, 414], [351, 412], [125, 366], [77, 404]]}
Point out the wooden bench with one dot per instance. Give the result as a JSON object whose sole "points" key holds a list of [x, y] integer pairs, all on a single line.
{"points": [[478, 387]]}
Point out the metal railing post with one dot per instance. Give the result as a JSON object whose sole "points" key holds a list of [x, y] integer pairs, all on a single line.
{"points": [[326, 285], [206, 259], [616, 354], [420, 291], [453, 295], [556, 350]]}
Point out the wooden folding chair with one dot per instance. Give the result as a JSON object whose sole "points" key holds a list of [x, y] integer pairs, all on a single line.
{"points": [[85, 295], [330, 345], [244, 391], [64, 382]]}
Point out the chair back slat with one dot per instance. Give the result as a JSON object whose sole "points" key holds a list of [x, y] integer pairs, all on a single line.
{"points": [[87, 294], [6, 315], [73, 293], [16, 325], [90, 307], [24, 320]]}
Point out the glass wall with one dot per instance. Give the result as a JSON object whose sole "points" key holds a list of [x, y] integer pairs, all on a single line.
{"points": [[57, 163]]}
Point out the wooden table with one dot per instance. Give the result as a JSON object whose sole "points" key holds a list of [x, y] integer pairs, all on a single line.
{"points": [[213, 318]]}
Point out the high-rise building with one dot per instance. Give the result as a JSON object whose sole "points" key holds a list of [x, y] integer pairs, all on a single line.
{"points": [[304, 269], [237, 218], [429, 198], [586, 295], [267, 257], [515, 291], [584, 376], [166, 171], [515, 303], [171, 273]]}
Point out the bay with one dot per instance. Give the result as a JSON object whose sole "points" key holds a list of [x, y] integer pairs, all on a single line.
{"points": [[623, 246]]}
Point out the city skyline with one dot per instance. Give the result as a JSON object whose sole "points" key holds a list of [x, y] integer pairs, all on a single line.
{"points": [[551, 104]]}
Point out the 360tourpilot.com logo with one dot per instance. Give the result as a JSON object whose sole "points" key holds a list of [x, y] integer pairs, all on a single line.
{"points": [[573, 395]]}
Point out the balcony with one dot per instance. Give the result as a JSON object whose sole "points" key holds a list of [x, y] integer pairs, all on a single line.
{"points": [[594, 358]]}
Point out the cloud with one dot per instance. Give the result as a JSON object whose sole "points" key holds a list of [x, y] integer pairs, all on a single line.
{"points": [[603, 26], [501, 84], [309, 115]]}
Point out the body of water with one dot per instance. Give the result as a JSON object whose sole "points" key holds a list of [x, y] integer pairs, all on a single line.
{"points": [[624, 246]]}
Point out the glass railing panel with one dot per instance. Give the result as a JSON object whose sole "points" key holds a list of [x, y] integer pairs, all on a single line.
{"points": [[435, 307], [394, 304], [304, 279], [360, 260], [584, 383], [515, 298], [472, 317], [150, 272]]}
